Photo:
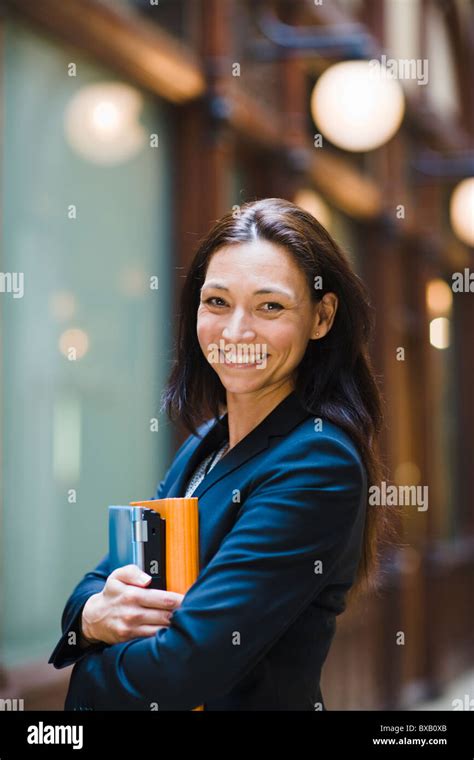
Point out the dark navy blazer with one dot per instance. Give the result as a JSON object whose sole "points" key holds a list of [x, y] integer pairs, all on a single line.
{"points": [[281, 521]]}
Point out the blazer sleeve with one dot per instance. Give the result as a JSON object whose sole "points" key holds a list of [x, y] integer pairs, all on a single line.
{"points": [[287, 542], [67, 651]]}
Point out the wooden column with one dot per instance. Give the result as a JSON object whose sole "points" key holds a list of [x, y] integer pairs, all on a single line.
{"points": [[204, 146]]}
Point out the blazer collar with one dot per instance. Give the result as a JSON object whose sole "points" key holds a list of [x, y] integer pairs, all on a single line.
{"points": [[283, 418]]}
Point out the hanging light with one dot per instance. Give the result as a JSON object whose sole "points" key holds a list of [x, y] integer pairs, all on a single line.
{"points": [[101, 122], [439, 298], [461, 210], [73, 343], [440, 332], [357, 105], [439, 302], [312, 202]]}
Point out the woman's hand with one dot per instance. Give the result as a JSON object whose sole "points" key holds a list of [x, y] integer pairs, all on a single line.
{"points": [[125, 609]]}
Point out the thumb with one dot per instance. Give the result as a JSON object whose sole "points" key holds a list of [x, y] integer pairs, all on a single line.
{"points": [[133, 575]]}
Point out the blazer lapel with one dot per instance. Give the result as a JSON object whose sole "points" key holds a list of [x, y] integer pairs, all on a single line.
{"points": [[199, 450], [283, 418]]}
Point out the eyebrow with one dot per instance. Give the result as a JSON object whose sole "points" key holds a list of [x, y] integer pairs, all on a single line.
{"points": [[218, 286]]}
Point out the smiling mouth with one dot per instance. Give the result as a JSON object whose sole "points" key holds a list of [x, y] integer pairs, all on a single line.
{"points": [[243, 365]]}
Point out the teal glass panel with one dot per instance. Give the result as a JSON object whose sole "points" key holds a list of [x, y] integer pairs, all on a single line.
{"points": [[78, 433]]}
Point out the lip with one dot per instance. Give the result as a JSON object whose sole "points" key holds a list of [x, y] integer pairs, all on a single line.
{"points": [[244, 365]]}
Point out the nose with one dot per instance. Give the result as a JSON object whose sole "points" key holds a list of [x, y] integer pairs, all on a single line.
{"points": [[238, 327]]}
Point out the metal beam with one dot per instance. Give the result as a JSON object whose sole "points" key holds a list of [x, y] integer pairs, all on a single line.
{"points": [[149, 56]]}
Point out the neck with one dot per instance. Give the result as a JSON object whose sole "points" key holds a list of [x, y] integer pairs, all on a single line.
{"points": [[246, 410]]}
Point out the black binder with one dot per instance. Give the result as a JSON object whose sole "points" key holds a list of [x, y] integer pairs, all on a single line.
{"points": [[137, 535]]}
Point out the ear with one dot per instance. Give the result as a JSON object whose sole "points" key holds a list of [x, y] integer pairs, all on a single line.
{"points": [[324, 317]]}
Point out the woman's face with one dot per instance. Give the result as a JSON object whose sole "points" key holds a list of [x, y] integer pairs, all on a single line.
{"points": [[252, 339]]}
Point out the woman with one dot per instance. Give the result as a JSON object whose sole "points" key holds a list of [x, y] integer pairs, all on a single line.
{"points": [[273, 332]]}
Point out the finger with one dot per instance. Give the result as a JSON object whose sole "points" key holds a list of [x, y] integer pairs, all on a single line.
{"points": [[144, 616], [158, 599], [131, 574]]}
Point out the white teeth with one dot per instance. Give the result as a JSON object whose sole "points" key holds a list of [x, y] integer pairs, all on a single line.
{"points": [[234, 359]]}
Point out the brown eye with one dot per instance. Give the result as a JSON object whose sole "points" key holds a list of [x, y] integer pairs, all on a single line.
{"points": [[273, 303], [214, 298]]}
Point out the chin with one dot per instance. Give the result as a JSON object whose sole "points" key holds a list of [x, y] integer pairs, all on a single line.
{"points": [[242, 385]]}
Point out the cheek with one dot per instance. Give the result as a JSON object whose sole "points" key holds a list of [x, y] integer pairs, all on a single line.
{"points": [[286, 337], [205, 327]]}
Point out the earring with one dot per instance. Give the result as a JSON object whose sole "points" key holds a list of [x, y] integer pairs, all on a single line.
{"points": [[317, 334]]}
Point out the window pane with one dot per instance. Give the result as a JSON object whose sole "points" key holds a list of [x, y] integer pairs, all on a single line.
{"points": [[87, 237]]}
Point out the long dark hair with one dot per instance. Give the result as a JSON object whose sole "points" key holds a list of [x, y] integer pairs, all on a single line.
{"points": [[335, 379]]}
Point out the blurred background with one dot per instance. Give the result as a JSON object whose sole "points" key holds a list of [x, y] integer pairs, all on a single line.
{"points": [[129, 127]]}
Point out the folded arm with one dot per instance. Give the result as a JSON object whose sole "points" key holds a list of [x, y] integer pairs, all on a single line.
{"points": [[284, 548]]}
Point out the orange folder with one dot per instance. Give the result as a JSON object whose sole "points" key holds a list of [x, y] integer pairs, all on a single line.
{"points": [[182, 541]]}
